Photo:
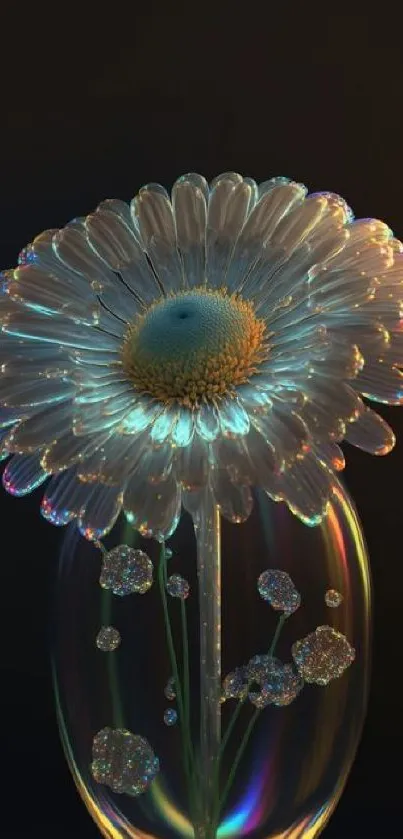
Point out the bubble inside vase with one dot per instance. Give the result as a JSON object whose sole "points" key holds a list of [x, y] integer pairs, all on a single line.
{"points": [[294, 674]]}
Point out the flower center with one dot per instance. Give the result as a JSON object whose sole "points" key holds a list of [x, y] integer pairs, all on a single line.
{"points": [[194, 346]]}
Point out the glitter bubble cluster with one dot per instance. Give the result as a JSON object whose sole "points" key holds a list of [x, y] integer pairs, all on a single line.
{"points": [[170, 716], [177, 586], [322, 655], [123, 761], [126, 570], [279, 683], [108, 639], [333, 598], [235, 684], [278, 589]]}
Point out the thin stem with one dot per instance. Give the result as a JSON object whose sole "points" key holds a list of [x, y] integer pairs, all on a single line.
{"points": [[281, 621], [186, 686], [231, 725], [238, 758], [187, 747], [207, 528]]}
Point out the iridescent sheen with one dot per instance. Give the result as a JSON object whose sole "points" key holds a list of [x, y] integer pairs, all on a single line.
{"points": [[327, 289]]}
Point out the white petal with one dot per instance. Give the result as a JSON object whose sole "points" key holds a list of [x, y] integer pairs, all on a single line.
{"points": [[307, 487], [371, 434], [192, 465], [234, 420], [20, 392], [47, 294], [57, 330], [153, 510], [152, 211], [140, 417], [43, 428], [184, 428], [190, 209], [235, 501], [207, 422], [227, 212], [100, 512], [164, 425], [118, 245], [23, 474], [69, 450], [72, 248], [380, 382], [64, 498]]}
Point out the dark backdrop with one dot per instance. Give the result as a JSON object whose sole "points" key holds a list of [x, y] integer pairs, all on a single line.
{"points": [[94, 107]]}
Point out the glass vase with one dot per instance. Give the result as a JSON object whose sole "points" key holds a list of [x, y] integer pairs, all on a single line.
{"points": [[222, 690]]}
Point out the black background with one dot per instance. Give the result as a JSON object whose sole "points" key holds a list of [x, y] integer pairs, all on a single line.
{"points": [[94, 105]]}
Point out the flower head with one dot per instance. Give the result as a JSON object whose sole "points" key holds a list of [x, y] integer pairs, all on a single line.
{"points": [[220, 336]]}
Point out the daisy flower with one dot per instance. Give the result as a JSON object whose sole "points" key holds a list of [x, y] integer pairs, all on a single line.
{"points": [[220, 337]]}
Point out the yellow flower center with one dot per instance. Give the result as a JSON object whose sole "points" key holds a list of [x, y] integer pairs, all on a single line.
{"points": [[194, 346]]}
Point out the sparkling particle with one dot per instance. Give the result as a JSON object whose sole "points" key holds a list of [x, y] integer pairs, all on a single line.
{"points": [[333, 598], [279, 684], [322, 655], [123, 761], [235, 685], [278, 589], [125, 570], [177, 586], [170, 716], [169, 690], [108, 639]]}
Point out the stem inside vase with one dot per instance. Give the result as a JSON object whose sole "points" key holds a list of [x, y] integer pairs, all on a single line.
{"points": [[208, 537]]}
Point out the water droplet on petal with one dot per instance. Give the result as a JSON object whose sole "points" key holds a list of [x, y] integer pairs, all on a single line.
{"points": [[126, 570], [123, 761], [322, 655], [278, 589], [108, 639]]}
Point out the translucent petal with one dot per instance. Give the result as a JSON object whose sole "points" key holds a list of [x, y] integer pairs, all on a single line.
{"points": [[57, 330], [43, 255], [235, 501], [192, 465], [190, 209], [64, 497], [117, 243], [306, 487], [4, 453], [93, 418], [164, 425], [380, 382], [20, 392], [46, 367], [260, 224], [43, 428], [285, 432], [72, 248], [96, 357], [48, 294], [153, 510], [332, 454], [253, 398], [119, 458], [298, 223], [69, 450], [160, 463], [234, 420], [371, 434], [9, 416], [183, 431], [121, 301], [100, 512], [227, 211], [335, 396], [154, 215], [207, 422], [140, 417], [232, 455], [94, 392], [23, 474]]}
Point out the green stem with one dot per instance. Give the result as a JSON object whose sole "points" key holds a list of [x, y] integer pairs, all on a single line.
{"points": [[238, 758], [187, 746], [186, 680], [281, 621], [231, 726]]}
